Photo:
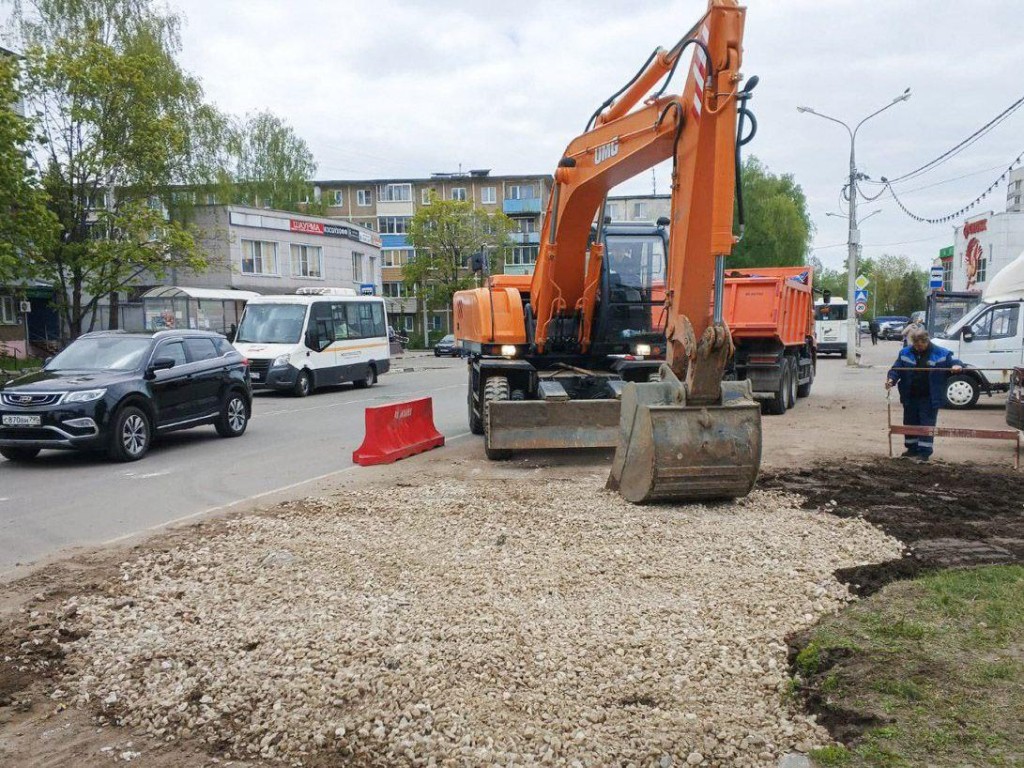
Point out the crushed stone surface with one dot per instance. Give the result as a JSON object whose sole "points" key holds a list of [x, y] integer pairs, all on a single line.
{"points": [[467, 623]]}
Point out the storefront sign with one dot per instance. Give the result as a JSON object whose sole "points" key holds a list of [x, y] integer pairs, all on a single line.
{"points": [[975, 227], [260, 221], [309, 227]]}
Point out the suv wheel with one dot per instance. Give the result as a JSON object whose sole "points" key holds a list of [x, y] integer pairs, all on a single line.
{"points": [[131, 436], [19, 454], [962, 392], [234, 416], [303, 385]]}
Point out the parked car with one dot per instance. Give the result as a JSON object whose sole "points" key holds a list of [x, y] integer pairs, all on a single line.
{"points": [[891, 326], [114, 391], [1015, 402], [446, 346]]}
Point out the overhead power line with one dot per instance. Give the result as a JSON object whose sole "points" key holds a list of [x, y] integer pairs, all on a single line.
{"points": [[953, 151]]}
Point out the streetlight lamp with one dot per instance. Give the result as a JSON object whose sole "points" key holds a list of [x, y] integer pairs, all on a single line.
{"points": [[853, 238]]}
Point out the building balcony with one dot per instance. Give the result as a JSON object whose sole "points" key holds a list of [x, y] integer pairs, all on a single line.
{"points": [[394, 241], [526, 205], [525, 238]]}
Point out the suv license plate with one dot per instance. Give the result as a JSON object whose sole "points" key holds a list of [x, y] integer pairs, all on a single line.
{"points": [[255, 376], [22, 421]]}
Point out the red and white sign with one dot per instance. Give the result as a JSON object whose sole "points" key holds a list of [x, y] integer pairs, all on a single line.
{"points": [[975, 227], [309, 227]]}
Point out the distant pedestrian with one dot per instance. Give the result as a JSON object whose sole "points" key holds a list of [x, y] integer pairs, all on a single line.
{"points": [[909, 330], [873, 328], [920, 373]]}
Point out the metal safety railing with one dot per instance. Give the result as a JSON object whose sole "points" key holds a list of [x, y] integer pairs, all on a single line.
{"points": [[954, 432]]}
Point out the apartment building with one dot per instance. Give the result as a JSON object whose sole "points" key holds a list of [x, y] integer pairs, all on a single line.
{"points": [[635, 208], [388, 205]]}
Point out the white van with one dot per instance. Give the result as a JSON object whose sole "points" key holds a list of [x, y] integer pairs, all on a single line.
{"points": [[830, 325], [990, 336], [318, 337]]}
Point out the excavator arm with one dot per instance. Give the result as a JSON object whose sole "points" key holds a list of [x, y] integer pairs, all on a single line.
{"points": [[697, 130]]}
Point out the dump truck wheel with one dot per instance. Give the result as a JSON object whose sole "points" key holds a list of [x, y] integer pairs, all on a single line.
{"points": [[777, 405], [792, 383], [495, 388], [476, 424], [803, 390]]}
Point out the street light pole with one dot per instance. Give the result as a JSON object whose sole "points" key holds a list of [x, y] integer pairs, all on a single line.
{"points": [[853, 233]]}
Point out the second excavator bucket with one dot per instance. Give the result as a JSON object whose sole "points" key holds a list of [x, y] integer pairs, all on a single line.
{"points": [[671, 451]]}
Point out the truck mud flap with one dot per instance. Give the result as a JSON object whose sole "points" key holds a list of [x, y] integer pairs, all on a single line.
{"points": [[536, 424]]}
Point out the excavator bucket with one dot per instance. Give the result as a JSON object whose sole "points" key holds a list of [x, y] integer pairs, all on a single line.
{"points": [[669, 451], [536, 424]]}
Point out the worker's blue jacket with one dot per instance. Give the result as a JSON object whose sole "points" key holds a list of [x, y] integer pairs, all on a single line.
{"points": [[938, 358]]}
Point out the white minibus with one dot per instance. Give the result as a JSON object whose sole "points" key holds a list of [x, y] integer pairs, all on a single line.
{"points": [[315, 338], [830, 325]]}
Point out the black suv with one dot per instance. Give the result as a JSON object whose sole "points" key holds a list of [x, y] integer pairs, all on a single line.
{"points": [[115, 391]]}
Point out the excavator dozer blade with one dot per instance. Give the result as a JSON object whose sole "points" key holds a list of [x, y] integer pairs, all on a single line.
{"points": [[538, 424], [669, 451]]}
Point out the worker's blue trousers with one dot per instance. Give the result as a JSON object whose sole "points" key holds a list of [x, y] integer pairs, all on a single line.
{"points": [[919, 412]]}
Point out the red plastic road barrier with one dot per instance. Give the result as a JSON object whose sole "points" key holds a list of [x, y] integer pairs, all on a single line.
{"points": [[398, 430]]}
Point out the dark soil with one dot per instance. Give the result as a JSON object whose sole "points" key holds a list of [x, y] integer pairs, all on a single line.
{"points": [[948, 515]]}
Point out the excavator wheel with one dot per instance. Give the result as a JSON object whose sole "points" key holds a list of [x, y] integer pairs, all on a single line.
{"points": [[495, 388]]}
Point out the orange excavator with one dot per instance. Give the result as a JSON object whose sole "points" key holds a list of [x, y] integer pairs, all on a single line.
{"points": [[569, 357]]}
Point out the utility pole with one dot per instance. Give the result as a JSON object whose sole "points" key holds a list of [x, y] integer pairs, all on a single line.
{"points": [[853, 235]]}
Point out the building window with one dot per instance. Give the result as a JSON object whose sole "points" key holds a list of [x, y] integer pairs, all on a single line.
{"points": [[211, 199], [947, 274], [394, 290], [639, 211], [394, 193], [357, 267], [408, 323], [459, 193], [522, 192], [259, 258], [394, 225], [522, 255], [489, 195], [364, 197], [425, 196], [307, 261], [526, 225], [396, 257], [436, 322], [7, 314], [982, 270], [339, 197]]}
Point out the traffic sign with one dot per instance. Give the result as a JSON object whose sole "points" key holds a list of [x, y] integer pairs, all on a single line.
{"points": [[936, 278], [861, 307], [861, 282], [860, 297]]}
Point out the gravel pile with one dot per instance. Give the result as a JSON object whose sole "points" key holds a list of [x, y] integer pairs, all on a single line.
{"points": [[472, 623]]}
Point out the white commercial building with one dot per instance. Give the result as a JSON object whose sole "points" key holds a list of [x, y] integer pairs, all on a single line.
{"points": [[982, 246]]}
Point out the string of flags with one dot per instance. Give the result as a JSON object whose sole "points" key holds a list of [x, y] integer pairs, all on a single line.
{"points": [[956, 215]]}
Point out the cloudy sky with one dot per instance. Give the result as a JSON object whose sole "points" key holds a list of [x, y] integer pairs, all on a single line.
{"points": [[408, 87]]}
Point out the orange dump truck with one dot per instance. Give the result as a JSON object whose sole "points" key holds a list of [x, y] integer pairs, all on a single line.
{"points": [[770, 312]]}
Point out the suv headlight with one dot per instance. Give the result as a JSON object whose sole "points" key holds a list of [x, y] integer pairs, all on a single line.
{"points": [[281, 360], [84, 396]]}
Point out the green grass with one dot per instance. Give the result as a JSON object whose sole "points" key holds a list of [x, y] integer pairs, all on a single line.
{"points": [[937, 663]]}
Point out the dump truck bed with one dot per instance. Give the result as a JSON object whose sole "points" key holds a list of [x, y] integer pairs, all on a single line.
{"points": [[774, 303]]}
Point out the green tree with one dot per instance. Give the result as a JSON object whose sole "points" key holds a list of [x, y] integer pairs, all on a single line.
{"points": [[899, 285], [120, 126], [27, 227], [445, 234], [778, 228], [272, 165]]}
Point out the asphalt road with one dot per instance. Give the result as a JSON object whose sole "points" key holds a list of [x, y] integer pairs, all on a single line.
{"points": [[66, 499]]}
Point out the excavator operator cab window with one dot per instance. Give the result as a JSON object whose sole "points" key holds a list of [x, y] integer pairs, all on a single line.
{"points": [[632, 303]]}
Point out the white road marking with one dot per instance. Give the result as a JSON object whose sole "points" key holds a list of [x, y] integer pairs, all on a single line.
{"points": [[146, 475], [337, 404]]}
